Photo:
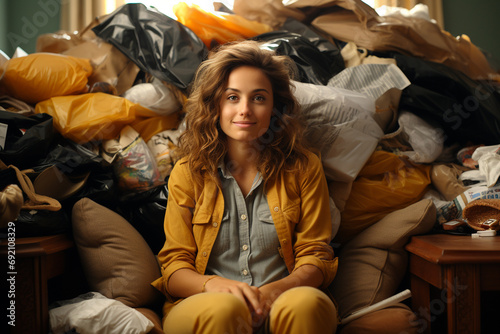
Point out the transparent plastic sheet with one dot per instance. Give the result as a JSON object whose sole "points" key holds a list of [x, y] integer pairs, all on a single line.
{"points": [[159, 45], [468, 110], [134, 164]]}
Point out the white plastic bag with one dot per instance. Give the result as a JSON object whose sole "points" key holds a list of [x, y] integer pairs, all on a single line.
{"points": [[426, 140], [93, 313], [155, 96], [488, 159], [340, 124]]}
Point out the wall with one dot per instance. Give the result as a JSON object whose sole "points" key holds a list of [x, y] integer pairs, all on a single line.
{"points": [[3, 24], [21, 21], [478, 20]]}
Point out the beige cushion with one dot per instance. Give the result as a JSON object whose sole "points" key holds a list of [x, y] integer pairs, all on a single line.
{"points": [[116, 260], [397, 319], [155, 319], [372, 265]]}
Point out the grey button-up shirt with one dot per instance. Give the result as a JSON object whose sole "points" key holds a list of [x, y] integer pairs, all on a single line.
{"points": [[247, 246]]}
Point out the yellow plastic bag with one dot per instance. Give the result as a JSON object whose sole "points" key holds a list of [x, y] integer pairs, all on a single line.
{"points": [[150, 126], [217, 26], [386, 183], [93, 116], [40, 76]]}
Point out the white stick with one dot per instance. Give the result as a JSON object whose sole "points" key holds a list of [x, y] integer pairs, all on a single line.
{"points": [[380, 305]]}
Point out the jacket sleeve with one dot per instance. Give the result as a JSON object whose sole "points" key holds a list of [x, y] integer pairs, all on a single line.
{"points": [[313, 231], [179, 250]]}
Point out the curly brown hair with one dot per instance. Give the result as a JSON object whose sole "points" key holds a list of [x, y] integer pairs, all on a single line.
{"points": [[204, 143]]}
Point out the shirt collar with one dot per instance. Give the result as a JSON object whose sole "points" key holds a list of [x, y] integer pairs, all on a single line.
{"points": [[226, 174]]}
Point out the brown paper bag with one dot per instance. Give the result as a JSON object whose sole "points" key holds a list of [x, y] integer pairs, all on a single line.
{"points": [[109, 64], [355, 21]]}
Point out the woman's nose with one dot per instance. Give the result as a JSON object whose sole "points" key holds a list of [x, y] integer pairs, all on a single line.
{"points": [[245, 108]]}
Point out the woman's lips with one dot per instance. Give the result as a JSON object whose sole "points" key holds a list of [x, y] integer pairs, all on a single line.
{"points": [[243, 124]]}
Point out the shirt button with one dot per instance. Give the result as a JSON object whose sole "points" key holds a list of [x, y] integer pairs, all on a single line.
{"points": [[245, 247], [244, 217], [214, 224], [245, 272], [204, 253], [276, 209]]}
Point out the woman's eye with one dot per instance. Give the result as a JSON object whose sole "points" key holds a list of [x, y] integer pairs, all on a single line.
{"points": [[232, 97], [260, 98]]}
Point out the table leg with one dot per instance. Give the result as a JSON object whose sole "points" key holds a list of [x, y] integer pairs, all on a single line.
{"points": [[420, 302], [31, 296], [463, 298]]}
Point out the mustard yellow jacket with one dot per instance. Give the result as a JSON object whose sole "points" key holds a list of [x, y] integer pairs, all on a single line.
{"points": [[300, 210]]}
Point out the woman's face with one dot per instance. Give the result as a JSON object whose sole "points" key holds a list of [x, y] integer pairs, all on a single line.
{"points": [[246, 104]]}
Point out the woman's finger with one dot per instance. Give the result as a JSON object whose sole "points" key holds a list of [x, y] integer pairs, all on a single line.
{"points": [[254, 299]]}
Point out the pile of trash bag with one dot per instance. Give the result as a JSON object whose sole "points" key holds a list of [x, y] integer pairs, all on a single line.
{"points": [[97, 113]]}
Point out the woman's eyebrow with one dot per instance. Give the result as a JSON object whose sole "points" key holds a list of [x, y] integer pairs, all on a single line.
{"points": [[254, 91]]}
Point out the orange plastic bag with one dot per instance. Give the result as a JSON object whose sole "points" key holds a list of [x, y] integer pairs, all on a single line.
{"points": [[386, 183], [217, 26], [150, 126], [40, 76], [93, 116]]}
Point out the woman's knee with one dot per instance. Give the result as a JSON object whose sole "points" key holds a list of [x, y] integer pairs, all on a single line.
{"points": [[304, 308], [306, 299], [209, 312]]}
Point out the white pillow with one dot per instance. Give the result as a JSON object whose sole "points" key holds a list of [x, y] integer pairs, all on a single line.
{"points": [[93, 313]]}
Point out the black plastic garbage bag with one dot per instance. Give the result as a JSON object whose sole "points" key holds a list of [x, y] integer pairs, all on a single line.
{"points": [[28, 139], [35, 223], [69, 157], [467, 110], [77, 160], [314, 65], [156, 43], [146, 212], [330, 49], [67, 172]]}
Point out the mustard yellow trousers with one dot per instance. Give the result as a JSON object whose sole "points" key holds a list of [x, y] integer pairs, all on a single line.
{"points": [[299, 310]]}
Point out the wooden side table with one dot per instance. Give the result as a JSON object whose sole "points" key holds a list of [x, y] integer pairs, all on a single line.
{"points": [[37, 260], [461, 267]]}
